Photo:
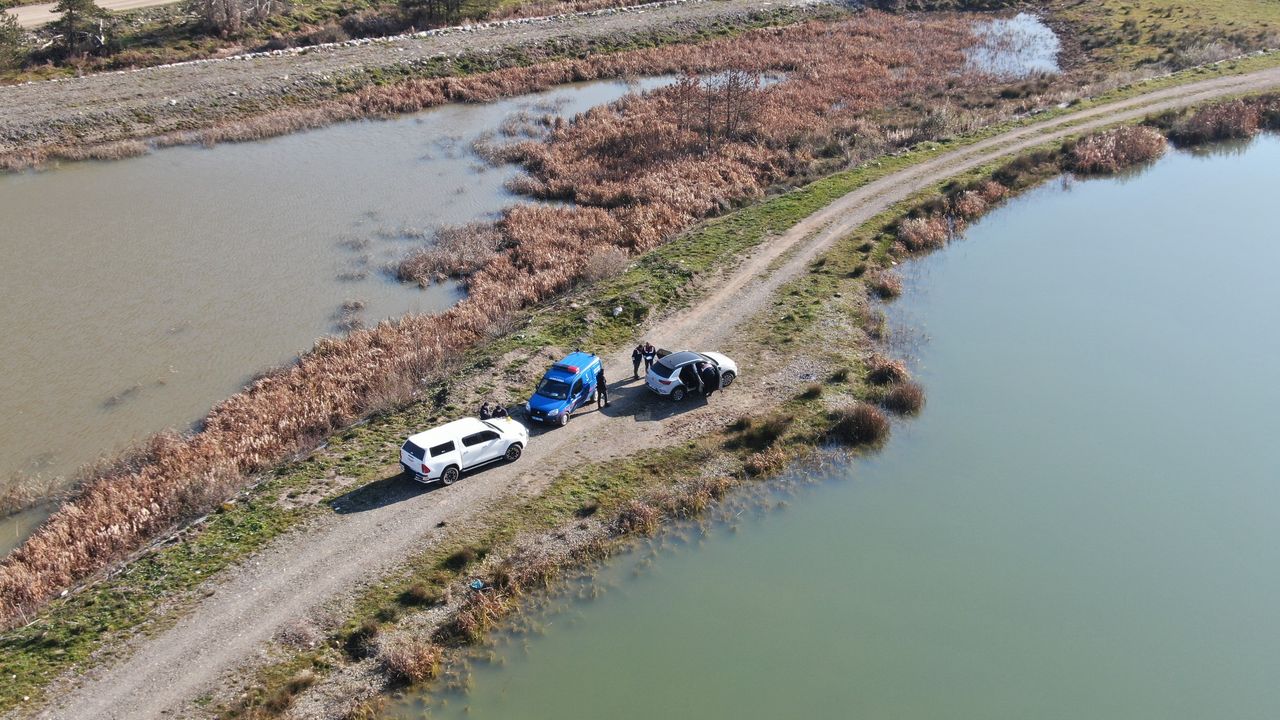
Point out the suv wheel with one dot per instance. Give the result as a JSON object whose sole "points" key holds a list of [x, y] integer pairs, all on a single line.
{"points": [[513, 452], [727, 379], [450, 475], [678, 394]]}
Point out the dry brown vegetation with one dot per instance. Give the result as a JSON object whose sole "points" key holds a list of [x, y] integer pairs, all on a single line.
{"points": [[1235, 120], [923, 234], [409, 660], [883, 370], [906, 398], [1111, 151], [860, 424], [886, 284]]}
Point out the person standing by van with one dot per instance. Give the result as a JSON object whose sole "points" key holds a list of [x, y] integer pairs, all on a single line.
{"points": [[602, 389], [485, 413], [636, 356], [650, 353]]}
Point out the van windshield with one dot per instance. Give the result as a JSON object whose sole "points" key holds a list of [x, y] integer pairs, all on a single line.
{"points": [[554, 389]]}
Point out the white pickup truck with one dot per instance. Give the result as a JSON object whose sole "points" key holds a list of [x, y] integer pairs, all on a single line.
{"points": [[443, 453]]}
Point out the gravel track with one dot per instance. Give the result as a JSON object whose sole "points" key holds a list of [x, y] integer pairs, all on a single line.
{"points": [[307, 568], [150, 101]]}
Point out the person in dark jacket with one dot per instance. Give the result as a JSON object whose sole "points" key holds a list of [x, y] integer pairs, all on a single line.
{"points": [[636, 356], [485, 412], [650, 353], [710, 376], [602, 390], [499, 411]]}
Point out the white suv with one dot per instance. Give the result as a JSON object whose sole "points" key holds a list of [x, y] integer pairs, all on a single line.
{"points": [[675, 375], [443, 453]]}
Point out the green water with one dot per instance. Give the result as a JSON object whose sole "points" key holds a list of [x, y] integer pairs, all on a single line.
{"points": [[1084, 522]]}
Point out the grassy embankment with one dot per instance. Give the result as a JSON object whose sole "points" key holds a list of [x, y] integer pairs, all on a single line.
{"points": [[1177, 33]]}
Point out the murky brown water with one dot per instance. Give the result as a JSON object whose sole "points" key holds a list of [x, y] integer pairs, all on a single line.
{"points": [[138, 293]]}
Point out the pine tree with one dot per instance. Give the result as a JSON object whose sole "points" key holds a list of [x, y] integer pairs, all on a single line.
{"points": [[77, 16], [11, 50]]}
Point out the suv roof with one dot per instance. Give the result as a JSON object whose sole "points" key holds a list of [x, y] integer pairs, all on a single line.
{"points": [[448, 431], [675, 360]]}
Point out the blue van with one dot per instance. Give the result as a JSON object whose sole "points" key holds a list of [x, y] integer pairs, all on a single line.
{"points": [[567, 386]]}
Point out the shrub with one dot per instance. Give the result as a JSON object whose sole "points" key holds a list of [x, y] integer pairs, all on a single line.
{"points": [[840, 375], [766, 461], [1234, 120], [862, 424], [12, 51], [905, 399], [766, 432], [886, 284], [882, 370], [606, 263], [812, 392], [1115, 150], [969, 204], [921, 234], [589, 507], [636, 517], [419, 595], [410, 660], [361, 642], [460, 559]]}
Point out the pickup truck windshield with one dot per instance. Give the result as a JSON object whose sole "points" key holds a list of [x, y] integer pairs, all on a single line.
{"points": [[554, 389]]}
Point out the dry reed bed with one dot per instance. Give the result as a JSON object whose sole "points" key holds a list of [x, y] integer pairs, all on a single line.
{"points": [[839, 71]]}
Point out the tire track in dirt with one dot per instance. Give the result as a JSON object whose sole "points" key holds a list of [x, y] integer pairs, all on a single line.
{"points": [[300, 572]]}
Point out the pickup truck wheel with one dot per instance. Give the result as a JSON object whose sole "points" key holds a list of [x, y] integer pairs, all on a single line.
{"points": [[513, 452], [564, 418], [678, 394], [450, 475], [727, 379]]}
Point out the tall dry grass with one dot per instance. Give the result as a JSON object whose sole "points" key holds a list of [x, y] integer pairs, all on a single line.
{"points": [[1110, 152]]}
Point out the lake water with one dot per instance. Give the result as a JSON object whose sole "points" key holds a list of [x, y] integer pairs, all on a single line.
{"points": [[1083, 523], [1015, 47], [140, 292]]}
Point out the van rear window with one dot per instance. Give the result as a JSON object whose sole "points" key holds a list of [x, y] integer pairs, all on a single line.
{"points": [[439, 450], [414, 450]]}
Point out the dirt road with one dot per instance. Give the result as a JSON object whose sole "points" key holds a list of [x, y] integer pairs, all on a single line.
{"points": [[30, 16], [305, 569], [151, 101]]}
